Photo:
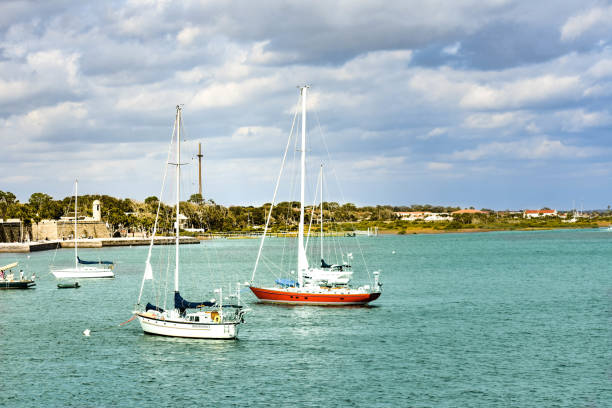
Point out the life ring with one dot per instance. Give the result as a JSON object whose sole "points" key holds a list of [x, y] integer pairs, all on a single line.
{"points": [[217, 319]]}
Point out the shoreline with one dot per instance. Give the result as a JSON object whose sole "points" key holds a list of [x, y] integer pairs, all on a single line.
{"points": [[35, 246], [429, 231], [27, 247]]}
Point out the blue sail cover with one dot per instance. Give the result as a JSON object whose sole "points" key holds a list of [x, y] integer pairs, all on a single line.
{"points": [[153, 307], [286, 282], [181, 304], [94, 262]]}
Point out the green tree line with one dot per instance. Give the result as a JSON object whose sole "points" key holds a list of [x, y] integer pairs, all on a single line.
{"points": [[132, 215]]}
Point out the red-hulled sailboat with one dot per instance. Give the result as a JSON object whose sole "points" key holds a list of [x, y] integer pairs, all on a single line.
{"points": [[324, 285]]}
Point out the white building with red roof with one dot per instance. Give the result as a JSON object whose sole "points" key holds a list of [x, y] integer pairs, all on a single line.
{"points": [[539, 213]]}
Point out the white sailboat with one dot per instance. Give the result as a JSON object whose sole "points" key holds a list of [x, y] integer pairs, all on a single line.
{"points": [[325, 285], [82, 269], [211, 319]]}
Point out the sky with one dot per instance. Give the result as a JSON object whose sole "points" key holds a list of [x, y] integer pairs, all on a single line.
{"points": [[497, 104]]}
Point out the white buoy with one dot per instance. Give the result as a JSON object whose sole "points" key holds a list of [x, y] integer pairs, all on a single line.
{"points": [[86, 332], [393, 252]]}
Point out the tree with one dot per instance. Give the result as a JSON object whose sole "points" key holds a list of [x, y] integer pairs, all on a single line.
{"points": [[151, 200], [38, 199], [116, 219], [7, 199], [39, 204], [196, 198]]}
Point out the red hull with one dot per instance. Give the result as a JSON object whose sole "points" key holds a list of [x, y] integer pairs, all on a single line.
{"points": [[301, 298]]}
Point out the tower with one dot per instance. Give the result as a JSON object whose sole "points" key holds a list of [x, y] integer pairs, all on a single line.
{"points": [[96, 210], [200, 169]]}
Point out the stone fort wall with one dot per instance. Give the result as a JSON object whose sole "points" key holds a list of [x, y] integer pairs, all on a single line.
{"points": [[13, 231], [64, 230]]}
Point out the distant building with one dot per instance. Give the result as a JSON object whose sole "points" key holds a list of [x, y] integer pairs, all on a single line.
{"points": [[539, 213], [439, 217], [469, 211], [412, 215], [183, 220], [422, 215]]}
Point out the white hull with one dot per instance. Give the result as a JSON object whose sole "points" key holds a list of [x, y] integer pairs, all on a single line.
{"points": [[87, 272], [174, 328]]}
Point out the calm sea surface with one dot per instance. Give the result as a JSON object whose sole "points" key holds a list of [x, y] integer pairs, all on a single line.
{"points": [[465, 320]]}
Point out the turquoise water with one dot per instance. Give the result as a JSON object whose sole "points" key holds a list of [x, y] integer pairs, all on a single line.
{"points": [[466, 320]]}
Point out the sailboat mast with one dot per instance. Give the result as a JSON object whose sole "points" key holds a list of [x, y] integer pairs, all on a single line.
{"points": [[76, 197], [178, 193], [321, 180], [302, 261]]}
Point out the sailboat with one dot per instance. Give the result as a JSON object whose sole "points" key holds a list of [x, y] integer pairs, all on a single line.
{"points": [[324, 285], [212, 319], [105, 268]]}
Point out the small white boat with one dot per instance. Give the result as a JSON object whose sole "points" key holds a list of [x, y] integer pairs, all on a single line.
{"points": [[104, 270], [83, 272]]}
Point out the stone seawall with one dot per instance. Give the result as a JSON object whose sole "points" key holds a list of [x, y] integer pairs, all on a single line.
{"points": [[28, 247], [90, 243]]}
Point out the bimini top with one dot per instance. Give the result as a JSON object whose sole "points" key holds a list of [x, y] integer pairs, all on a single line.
{"points": [[9, 266], [94, 262]]}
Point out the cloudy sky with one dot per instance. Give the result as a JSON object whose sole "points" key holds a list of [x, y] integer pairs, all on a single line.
{"points": [[498, 104]]}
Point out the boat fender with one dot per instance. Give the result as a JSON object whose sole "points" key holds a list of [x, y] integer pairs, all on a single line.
{"points": [[217, 319]]}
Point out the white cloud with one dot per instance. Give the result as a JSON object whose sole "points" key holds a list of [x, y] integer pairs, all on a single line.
{"points": [[439, 131], [443, 85], [538, 148], [439, 166], [522, 92], [452, 49], [601, 69], [187, 35], [378, 163], [224, 94], [373, 63], [43, 120], [578, 119], [495, 120], [256, 134], [532, 128], [577, 25]]}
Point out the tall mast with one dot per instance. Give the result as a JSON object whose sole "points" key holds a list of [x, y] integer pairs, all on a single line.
{"points": [[321, 180], [302, 261], [76, 197], [200, 169], [178, 193]]}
